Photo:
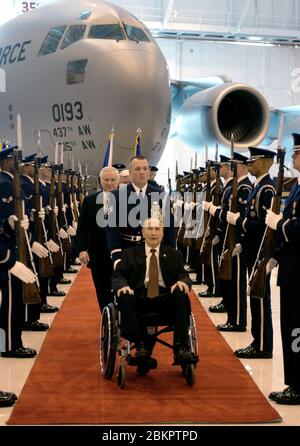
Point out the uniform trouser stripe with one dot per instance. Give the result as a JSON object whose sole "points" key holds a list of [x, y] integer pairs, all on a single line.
{"points": [[238, 278], [212, 269], [261, 324], [9, 327], [26, 313]]}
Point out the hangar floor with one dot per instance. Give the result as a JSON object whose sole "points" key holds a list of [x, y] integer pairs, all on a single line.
{"points": [[267, 373]]}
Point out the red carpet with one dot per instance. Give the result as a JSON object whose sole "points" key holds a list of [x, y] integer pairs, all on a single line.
{"points": [[65, 385]]}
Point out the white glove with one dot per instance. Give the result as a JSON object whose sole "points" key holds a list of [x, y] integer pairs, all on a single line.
{"points": [[272, 263], [75, 225], [23, 273], [237, 250], [52, 246], [178, 203], [56, 210], [71, 231], [12, 219], [24, 223], [212, 209], [272, 219], [64, 208], [62, 233], [72, 205], [232, 217], [39, 250], [216, 240], [42, 214], [206, 205]]}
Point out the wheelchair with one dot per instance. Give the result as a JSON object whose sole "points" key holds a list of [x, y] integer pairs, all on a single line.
{"points": [[112, 345]]}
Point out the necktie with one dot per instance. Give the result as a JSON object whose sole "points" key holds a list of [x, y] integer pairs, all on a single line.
{"points": [[153, 285]]}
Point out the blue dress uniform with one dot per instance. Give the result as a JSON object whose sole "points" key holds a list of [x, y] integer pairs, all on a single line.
{"points": [[7, 261], [122, 233], [12, 306], [288, 235], [211, 276], [253, 225], [234, 292], [32, 311]]}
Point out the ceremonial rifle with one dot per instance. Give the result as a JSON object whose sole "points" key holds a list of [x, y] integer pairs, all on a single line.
{"points": [[31, 293], [225, 263], [199, 239], [267, 247], [44, 264]]}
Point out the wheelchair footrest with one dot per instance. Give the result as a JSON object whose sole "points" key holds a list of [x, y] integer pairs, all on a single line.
{"points": [[146, 361]]}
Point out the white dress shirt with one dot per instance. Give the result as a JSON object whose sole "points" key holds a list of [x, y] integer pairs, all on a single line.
{"points": [[148, 255], [138, 189]]}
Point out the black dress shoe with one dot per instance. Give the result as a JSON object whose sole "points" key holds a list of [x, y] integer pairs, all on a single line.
{"points": [[251, 353], [21, 352], [57, 293], [289, 396], [64, 282], [46, 308], [76, 263], [206, 293], [217, 308], [70, 271], [7, 399], [230, 327], [182, 355], [274, 395], [35, 326]]}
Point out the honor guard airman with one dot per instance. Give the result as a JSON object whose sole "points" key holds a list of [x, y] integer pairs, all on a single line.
{"points": [[253, 226]]}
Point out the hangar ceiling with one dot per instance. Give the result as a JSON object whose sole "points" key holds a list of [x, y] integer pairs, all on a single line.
{"points": [[270, 22]]}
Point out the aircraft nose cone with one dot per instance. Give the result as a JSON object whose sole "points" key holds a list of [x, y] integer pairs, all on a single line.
{"points": [[134, 91]]}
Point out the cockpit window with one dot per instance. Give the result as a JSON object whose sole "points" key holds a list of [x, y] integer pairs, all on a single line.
{"points": [[112, 32], [76, 70], [135, 33], [74, 33], [52, 40]]}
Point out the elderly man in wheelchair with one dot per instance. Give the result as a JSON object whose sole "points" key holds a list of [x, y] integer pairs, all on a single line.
{"points": [[150, 279]]}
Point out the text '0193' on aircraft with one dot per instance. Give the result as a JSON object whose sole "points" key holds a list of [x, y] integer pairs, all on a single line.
{"points": [[75, 69]]}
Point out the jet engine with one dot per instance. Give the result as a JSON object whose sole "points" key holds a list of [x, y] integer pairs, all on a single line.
{"points": [[214, 114]]}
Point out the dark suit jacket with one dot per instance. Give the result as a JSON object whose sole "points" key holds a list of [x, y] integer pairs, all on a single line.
{"points": [[115, 234], [131, 270], [91, 237]]}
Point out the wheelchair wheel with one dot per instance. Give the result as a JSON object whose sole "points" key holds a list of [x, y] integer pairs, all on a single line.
{"points": [[190, 374], [193, 336], [121, 375], [108, 340]]}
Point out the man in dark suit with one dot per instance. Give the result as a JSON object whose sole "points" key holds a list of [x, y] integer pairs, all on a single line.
{"points": [[131, 205], [253, 225], [287, 227], [150, 278], [91, 238]]}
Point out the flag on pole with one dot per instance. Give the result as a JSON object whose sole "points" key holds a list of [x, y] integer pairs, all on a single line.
{"points": [[109, 150], [137, 147]]}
